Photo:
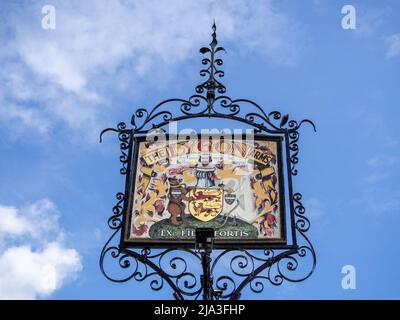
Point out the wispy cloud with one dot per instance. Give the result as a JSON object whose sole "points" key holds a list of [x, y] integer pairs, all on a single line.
{"points": [[392, 45], [380, 196], [370, 21], [315, 209], [67, 76], [383, 161]]}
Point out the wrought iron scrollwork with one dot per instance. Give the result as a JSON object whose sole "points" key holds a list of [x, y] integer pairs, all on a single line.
{"points": [[257, 268], [232, 269]]}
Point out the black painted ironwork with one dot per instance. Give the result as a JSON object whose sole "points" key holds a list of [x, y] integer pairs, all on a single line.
{"points": [[232, 269]]}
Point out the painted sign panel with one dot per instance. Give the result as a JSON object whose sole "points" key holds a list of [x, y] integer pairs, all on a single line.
{"points": [[234, 186]]}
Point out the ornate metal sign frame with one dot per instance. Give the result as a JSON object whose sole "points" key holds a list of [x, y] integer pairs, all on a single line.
{"points": [[273, 262]]}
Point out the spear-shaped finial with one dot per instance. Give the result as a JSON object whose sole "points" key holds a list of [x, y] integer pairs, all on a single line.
{"points": [[212, 84], [214, 41]]}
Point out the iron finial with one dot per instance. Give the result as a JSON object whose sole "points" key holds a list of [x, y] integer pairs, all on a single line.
{"points": [[211, 85], [214, 41]]}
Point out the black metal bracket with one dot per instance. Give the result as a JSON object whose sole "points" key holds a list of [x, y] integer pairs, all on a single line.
{"points": [[225, 272]]}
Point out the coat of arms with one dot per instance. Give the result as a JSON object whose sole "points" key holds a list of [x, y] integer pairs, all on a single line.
{"points": [[180, 188], [206, 200]]}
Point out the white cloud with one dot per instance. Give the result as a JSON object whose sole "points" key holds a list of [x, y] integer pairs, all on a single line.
{"points": [[28, 274], [393, 45], [98, 47], [34, 262], [10, 223], [36, 220]]}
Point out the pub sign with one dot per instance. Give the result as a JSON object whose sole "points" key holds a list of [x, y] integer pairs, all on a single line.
{"points": [[233, 185]]}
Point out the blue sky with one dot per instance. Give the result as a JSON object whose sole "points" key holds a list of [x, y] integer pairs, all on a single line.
{"points": [[60, 87]]}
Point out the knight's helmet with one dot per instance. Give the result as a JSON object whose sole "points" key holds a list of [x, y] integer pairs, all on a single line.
{"points": [[205, 175]]}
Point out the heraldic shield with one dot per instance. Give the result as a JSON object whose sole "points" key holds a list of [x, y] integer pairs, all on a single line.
{"points": [[206, 203]]}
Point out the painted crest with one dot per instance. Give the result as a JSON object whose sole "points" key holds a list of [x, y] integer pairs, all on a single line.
{"points": [[206, 203], [181, 186]]}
